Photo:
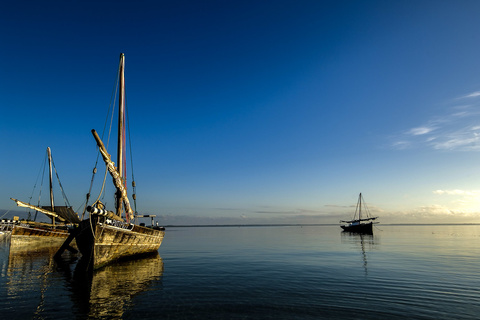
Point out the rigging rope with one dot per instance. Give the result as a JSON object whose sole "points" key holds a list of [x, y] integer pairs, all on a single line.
{"points": [[67, 203], [112, 108], [42, 167], [5, 213], [134, 191], [41, 184]]}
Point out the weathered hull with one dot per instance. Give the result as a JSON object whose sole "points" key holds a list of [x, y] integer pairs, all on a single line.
{"points": [[32, 237], [105, 241], [366, 228]]}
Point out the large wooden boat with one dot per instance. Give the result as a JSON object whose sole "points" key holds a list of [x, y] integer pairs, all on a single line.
{"points": [[106, 236], [359, 223], [33, 234]]}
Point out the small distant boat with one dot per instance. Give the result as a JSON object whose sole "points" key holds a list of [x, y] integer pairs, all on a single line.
{"points": [[362, 222]]}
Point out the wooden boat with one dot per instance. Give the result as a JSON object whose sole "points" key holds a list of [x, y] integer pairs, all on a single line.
{"points": [[106, 236], [33, 234], [359, 223]]}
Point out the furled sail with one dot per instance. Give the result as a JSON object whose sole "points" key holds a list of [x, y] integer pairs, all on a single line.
{"points": [[47, 212], [65, 212], [117, 180]]}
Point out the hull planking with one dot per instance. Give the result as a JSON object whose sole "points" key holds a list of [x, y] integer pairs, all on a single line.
{"points": [[33, 237], [104, 240]]}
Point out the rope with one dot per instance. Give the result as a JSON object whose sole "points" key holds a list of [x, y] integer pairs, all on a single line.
{"points": [[112, 108], [41, 186], [65, 199], [103, 185], [131, 158], [42, 167], [11, 208]]}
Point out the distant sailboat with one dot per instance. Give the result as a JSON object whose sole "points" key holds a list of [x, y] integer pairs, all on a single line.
{"points": [[106, 236], [362, 222]]}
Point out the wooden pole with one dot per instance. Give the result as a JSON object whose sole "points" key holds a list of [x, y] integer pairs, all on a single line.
{"points": [[51, 182], [121, 117]]}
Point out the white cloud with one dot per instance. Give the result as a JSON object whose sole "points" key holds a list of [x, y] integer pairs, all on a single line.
{"points": [[435, 210], [457, 192], [459, 129], [463, 139], [472, 95], [458, 143], [401, 145], [420, 131]]}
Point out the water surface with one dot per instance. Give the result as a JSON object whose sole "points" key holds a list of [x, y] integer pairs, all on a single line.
{"points": [[290, 272]]}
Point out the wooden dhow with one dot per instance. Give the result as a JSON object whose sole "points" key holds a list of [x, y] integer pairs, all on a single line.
{"points": [[106, 236], [32, 235]]}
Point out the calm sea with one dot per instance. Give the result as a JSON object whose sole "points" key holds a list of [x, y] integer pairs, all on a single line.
{"points": [[288, 272]]}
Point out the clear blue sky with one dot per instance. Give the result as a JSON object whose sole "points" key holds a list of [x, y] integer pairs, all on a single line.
{"points": [[251, 111]]}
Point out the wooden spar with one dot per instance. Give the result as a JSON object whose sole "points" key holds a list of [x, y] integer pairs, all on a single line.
{"points": [[121, 116], [105, 213], [47, 212], [51, 182], [117, 180]]}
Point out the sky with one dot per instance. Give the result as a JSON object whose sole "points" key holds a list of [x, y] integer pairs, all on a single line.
{"points": [[245, 112]]}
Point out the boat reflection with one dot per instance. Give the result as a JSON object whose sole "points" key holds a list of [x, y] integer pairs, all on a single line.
{"points": [[105, 293], [364, 242], [29, 273], [108, 292]]}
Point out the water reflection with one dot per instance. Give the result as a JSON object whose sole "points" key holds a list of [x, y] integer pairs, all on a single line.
{"points": [[28, 278], [35, 282], [362, 242], [108, 292], [28, 269]]}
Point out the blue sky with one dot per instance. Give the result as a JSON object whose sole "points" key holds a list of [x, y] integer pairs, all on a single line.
{"points": [[251, 111]]}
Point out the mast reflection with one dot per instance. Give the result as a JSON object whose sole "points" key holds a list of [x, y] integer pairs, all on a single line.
{"points": [[365, 242], [109, 291]]}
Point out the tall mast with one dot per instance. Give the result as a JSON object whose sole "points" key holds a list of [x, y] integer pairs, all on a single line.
{"points": [[121, 124], [51, 182], [360, 207]]}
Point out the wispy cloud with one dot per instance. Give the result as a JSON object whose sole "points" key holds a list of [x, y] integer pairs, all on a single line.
{"points": [[338, 206], [458, 129], [277, 212], [421, 130], [457, 192], [471, 95]]}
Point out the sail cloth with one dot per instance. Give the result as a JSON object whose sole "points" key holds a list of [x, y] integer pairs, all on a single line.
{"points": [[117, 180], [65, 213], [61, 214]]}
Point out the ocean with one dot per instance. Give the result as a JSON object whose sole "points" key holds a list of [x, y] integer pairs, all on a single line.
{"points": [[259, 272]]}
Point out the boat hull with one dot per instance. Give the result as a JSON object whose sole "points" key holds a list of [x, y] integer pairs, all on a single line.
{"points": [[366, 228], [33, 236], [104, 241]]}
